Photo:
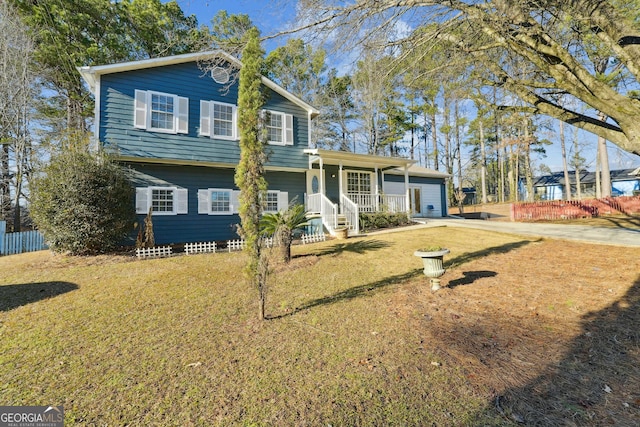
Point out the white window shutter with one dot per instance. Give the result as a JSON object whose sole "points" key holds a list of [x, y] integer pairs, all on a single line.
{"points": [[183, 115], [283, 200], [205, 118], [235, 201], [142, 200], [288, 129], [140, 109], [236, 130], [203, 201], [181, 197]]}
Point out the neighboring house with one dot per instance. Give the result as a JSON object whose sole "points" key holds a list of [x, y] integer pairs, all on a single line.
{"points": [[624, 182], [175, 126]]}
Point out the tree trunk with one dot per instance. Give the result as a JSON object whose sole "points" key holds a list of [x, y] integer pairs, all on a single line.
{"points": [[605, 188], [483, 165], [576, 157], [528, 172], [5, 182], [565, 169], [434, 139]]}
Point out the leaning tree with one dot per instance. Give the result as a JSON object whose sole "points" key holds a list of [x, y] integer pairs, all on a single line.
{"points": [[558, 40]]}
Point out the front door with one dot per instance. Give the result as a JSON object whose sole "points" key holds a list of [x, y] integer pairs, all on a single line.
{"points": [[313, 181], [415, 201]]}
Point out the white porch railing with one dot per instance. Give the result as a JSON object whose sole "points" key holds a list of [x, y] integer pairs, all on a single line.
{"points": [[319, 203], [366, 202], [379, 202], [351, 213], [395, 203]]}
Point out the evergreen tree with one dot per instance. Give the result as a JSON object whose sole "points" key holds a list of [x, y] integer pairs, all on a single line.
{"points": [[249, 175]]}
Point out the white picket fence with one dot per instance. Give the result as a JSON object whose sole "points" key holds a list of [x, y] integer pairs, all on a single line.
{"points": [[17, 243], [154, 252], [313, 238], [199, 248]]}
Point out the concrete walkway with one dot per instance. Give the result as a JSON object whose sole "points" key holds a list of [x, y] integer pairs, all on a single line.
{"points": [[600, 235]]}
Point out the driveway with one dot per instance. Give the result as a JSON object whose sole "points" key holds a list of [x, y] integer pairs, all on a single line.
{"points": [[601, 235]]}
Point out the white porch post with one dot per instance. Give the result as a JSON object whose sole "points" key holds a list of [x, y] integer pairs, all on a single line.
{"points": [[340, 185], [321, 176], [406, 190], [377, 187]]}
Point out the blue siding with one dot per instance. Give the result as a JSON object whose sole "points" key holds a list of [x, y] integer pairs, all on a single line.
{"points": [[187, 80], [194, 227]]}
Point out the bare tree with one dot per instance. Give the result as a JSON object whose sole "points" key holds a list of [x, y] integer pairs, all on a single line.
{"points": [[553, 37], [16, 101]]}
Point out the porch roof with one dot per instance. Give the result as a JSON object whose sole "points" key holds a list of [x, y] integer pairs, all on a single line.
{"points": [[415, 170], [331, 157]]}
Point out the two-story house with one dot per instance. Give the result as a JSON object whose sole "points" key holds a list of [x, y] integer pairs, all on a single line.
{"points": [[176, 127]]}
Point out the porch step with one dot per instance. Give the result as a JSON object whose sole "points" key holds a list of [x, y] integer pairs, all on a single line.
{"points": [[342, 221]]}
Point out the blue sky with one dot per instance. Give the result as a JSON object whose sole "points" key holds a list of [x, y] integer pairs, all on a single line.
{"points": [[270, 16]]}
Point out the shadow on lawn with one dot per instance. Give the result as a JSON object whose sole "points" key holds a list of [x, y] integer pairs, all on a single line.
{"points": [[494, 250], [359, 247], [597, 380], [470, 277], [14, 296], [365, 289], [355, 292]]}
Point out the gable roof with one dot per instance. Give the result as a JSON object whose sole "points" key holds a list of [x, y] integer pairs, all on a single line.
{"points": [[91, 74]]}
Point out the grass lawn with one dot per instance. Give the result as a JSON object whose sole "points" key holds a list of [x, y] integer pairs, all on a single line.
{"points": [[536, 331]]}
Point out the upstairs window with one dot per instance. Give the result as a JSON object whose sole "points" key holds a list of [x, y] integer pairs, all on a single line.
{"points": [[161, 200], [279, 127], [161, 112], [218, 120]]}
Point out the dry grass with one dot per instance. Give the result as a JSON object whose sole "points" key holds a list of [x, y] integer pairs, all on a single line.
{"points": [[528, 329]]}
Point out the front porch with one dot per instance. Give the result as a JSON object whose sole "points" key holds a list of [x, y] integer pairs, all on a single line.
{"points": [[342, 185]]}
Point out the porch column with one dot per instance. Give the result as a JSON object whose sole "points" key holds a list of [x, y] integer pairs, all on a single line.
{"points": [[406, 190], [340, 184], [377, 187], [321, 177]]}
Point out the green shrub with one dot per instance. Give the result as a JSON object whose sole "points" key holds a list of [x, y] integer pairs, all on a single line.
{"points": [[377, 220], [82, 204]]}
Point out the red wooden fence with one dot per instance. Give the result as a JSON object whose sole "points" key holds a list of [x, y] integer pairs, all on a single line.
{"points": [[563, 209]]}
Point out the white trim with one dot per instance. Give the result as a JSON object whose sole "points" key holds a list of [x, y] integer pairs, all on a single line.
{"points": [[205, 119], [185, 162], [284, 130], [180, 197], [96, 115], [371, 179], [182, 115], [207, 202], [140, 103], [234, 123], [175, 113], [282, 201]]}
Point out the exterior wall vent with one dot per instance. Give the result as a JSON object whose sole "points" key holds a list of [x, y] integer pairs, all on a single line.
{"points": [[220, 75]]}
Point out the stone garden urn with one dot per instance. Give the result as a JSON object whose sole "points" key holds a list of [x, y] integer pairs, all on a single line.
{"points": [[433, 268]]}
